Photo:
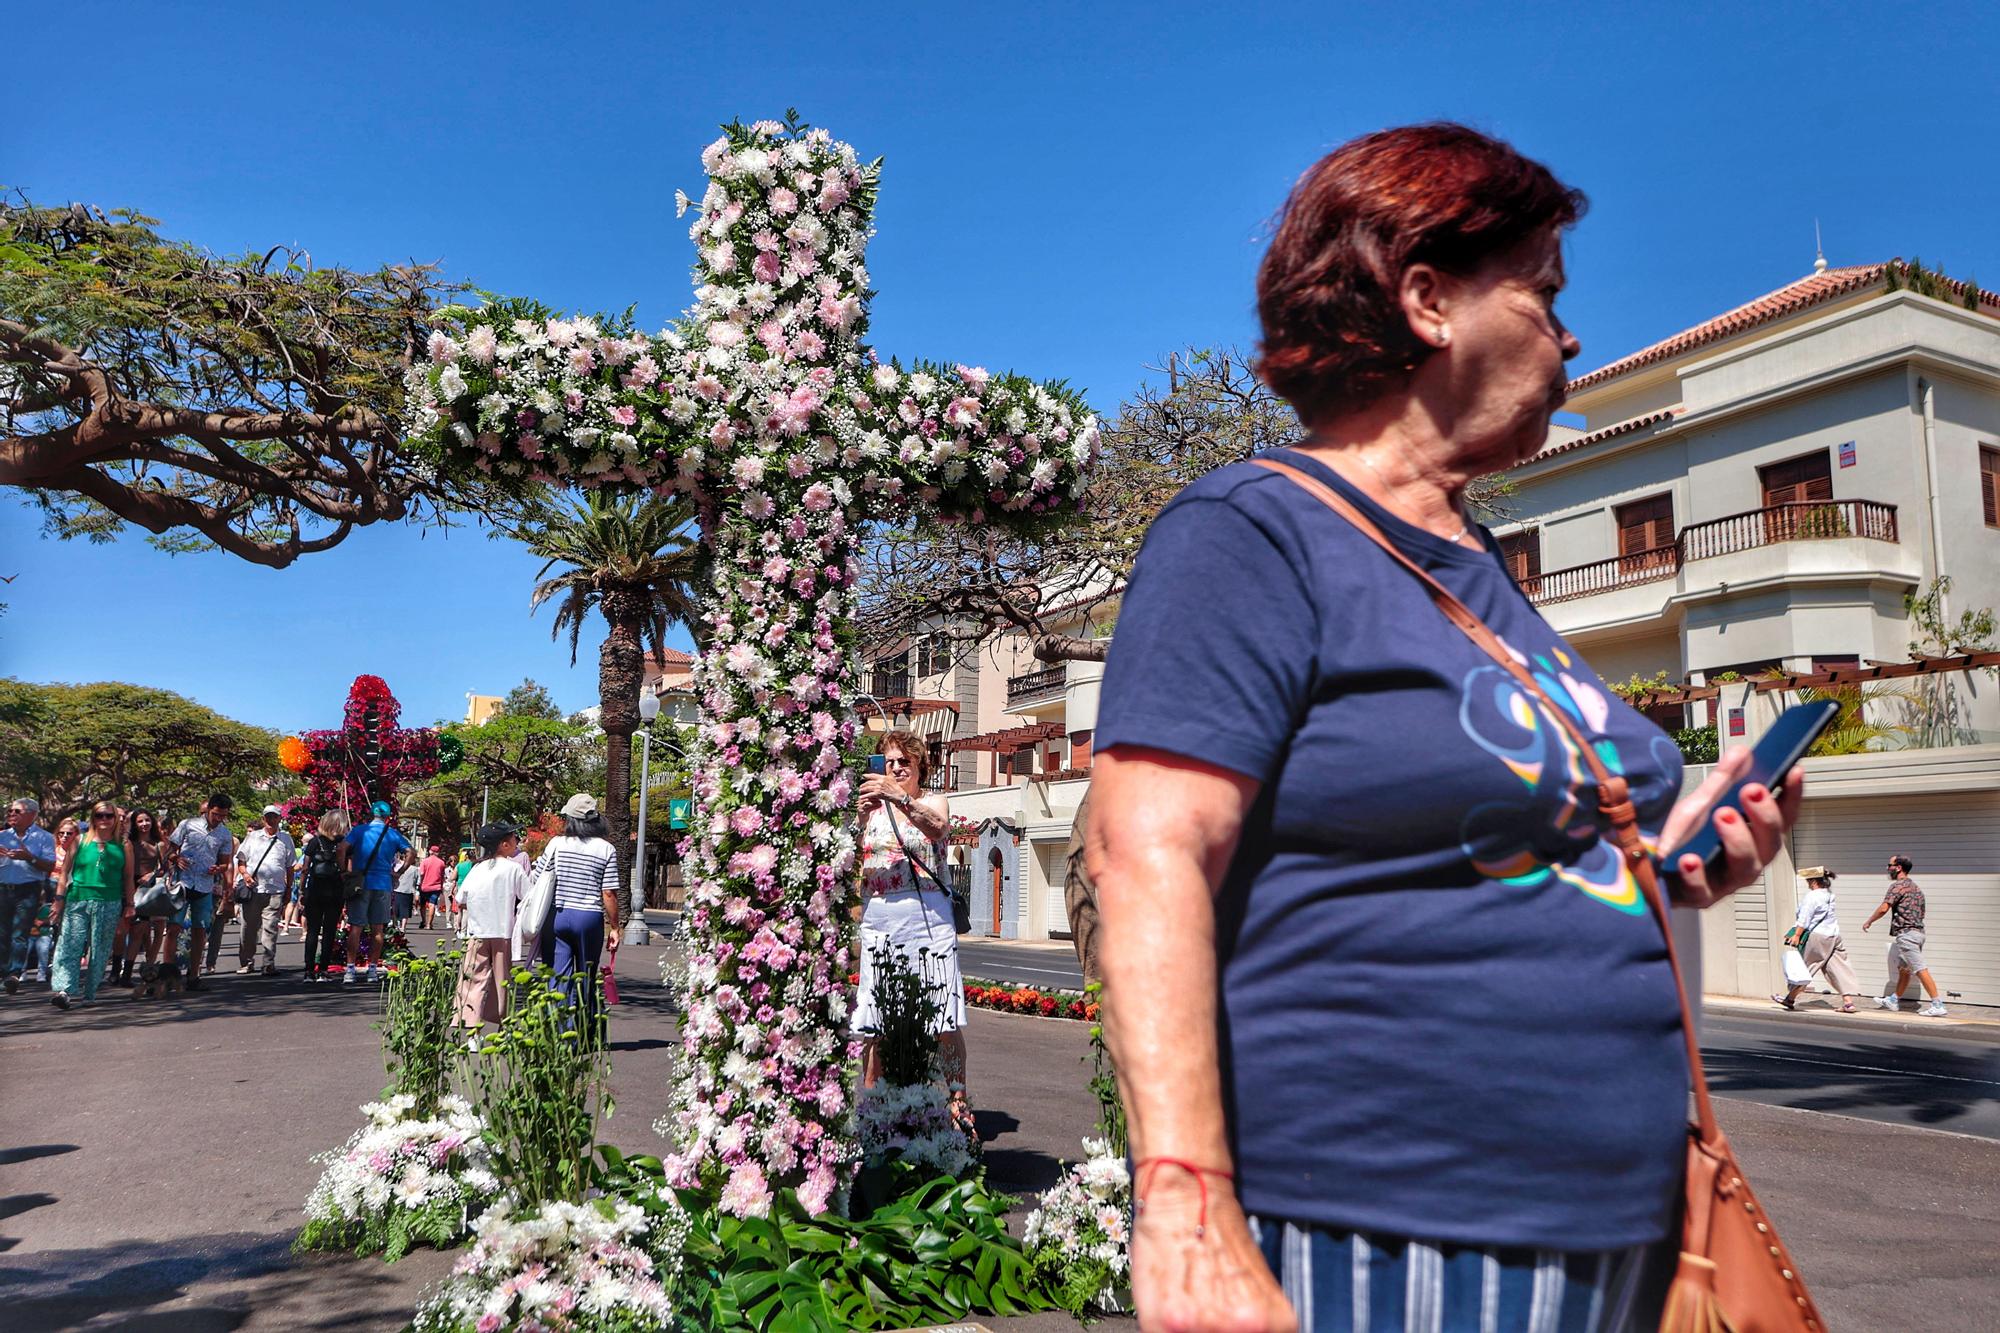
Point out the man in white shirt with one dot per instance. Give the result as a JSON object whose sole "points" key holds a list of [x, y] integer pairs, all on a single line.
{"points": [[491, 893], [263, 882], [199, 853]]}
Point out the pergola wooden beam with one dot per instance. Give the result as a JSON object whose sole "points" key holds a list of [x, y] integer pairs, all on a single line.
{"points": [[1013, 738], [1926, 666]]}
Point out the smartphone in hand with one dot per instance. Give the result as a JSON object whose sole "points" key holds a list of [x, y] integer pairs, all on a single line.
{"points": [[1770, 761], [877, 764]]}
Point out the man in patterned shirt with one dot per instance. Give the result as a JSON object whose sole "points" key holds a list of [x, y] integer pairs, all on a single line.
{"points": [[1905, 905]]}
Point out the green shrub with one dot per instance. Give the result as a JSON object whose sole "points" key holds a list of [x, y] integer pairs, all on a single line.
{"points": [[418, 1042], [543, 1079]]}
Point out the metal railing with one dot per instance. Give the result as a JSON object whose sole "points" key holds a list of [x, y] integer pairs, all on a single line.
{"points": [[942, 778], [1807, 521], [1022, 688]]}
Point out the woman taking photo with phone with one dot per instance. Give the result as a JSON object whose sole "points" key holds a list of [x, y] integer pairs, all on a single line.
{"points": [[1395, 1028], [905, 911]]}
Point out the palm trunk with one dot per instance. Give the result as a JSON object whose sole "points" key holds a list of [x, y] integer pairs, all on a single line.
{"points": [[621, 666]]}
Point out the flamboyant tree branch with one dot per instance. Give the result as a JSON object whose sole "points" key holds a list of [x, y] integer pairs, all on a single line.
{"points": [[253, 403]]}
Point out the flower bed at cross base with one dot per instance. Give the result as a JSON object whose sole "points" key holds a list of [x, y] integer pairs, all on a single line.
{"points": [[1031, 1000], [1079, 1235], [563, 1267], [404, 1179]]}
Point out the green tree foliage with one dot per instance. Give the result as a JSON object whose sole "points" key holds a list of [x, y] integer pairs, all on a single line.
{"points": [[248, 403], [521, 766], [637, 561], [71, 745], [1937, 717], [530, 699]]}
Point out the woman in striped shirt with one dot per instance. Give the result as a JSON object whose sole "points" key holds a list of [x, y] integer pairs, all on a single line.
{"points": [[585, 915]]}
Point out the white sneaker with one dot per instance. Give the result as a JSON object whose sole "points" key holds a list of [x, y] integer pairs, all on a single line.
{"points": [[374, 973], [1887, 1002], [1935, 1009], [347, 976]]}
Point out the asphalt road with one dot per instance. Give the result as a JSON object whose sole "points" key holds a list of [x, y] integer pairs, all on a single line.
{"points": [[1902, 1070], [154, 1155]]}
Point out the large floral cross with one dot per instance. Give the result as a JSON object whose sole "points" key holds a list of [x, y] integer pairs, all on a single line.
{"points": [[765, 405]]}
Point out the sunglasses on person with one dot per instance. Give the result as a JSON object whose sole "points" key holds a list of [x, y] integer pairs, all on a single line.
{"points": [[103, 814]]}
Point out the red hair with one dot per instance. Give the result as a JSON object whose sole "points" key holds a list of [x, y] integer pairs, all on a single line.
{"points": [[1335, 336]]}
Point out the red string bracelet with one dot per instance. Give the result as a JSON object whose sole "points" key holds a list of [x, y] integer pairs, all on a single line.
{"points": [[1147, 1165]]}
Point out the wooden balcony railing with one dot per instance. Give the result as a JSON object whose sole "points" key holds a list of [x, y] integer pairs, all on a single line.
{"points": [[1768, 526], [889, 684], [1620, 571], [1789, 523], [1020, 689]]}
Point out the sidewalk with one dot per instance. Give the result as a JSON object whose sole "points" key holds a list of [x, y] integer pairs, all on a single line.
{"points": [[1813, 1006]]}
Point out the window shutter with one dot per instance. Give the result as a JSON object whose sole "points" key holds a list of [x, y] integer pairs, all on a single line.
{"points": [[1989, 484], [1522, 554], [1646, 525], [1807, 480]]}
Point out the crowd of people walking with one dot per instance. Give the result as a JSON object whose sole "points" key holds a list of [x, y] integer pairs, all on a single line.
{"points": [[128, 899]]}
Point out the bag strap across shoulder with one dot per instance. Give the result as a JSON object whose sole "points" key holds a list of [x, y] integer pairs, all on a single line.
{"points": [[1613, 793]]}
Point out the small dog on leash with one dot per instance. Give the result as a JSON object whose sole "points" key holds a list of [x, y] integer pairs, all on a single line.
{"points": [[157, 981]]}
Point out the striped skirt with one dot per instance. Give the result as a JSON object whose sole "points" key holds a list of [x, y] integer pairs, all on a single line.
{"points": [[1345, 1282]]}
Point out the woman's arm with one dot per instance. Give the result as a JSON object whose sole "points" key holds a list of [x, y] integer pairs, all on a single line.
{"points": [[131, 879], [929, 815], [1161, 835]]}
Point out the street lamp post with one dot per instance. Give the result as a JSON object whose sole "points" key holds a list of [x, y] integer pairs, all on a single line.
{"points": [[649, 708]]}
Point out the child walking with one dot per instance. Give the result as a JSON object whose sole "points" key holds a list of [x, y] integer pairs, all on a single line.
{"points": [[488, 897]]}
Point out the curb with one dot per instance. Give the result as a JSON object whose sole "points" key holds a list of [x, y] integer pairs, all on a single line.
{"points": [[1812, 1007]]}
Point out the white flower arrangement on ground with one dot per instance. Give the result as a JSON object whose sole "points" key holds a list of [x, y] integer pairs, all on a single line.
{"points": [[1080, 1234], [912, 1124], [404, 1178], [563, 1268]]}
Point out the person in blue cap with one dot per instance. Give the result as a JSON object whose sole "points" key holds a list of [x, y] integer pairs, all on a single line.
{"points": [[375, 852]]}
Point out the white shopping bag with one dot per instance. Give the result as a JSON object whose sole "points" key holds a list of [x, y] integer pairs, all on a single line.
{"points": [[1796, 972]]}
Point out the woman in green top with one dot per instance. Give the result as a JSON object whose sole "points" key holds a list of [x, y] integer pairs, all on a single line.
{"points": [[93, 896]]}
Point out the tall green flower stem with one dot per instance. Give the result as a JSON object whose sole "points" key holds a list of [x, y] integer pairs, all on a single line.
{"points": [[417, 1038], [543, 1080]]}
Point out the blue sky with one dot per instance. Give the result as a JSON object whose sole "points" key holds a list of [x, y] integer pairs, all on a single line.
{"points": [[1069, 191]]}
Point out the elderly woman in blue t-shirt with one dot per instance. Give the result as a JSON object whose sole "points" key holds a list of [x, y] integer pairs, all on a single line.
{"points": [[1397, 1034]]}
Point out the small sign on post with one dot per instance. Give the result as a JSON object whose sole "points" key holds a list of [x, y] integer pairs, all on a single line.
{"points": [[678, 810], [1847, 454], [1736, 722]]}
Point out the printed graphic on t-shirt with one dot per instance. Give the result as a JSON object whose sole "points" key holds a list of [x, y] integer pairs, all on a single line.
{"points": [[1552, 831]]}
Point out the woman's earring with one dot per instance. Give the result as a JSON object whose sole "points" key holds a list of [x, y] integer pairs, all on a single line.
{"points": [[1443, 335]]}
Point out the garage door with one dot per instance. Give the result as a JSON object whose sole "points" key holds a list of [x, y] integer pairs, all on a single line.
{"points": [[1055, 873], [1954, 838]]}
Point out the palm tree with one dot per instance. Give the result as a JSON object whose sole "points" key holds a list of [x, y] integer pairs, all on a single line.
{"points": [[637, 560]]}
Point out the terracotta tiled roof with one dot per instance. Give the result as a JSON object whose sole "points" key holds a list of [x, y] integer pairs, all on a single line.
{"points": [[1807, 291], [670, 657], [1609, 432]]}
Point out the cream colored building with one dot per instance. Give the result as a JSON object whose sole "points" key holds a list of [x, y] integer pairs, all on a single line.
{"points": [[482, 708], [1762, 490]]}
